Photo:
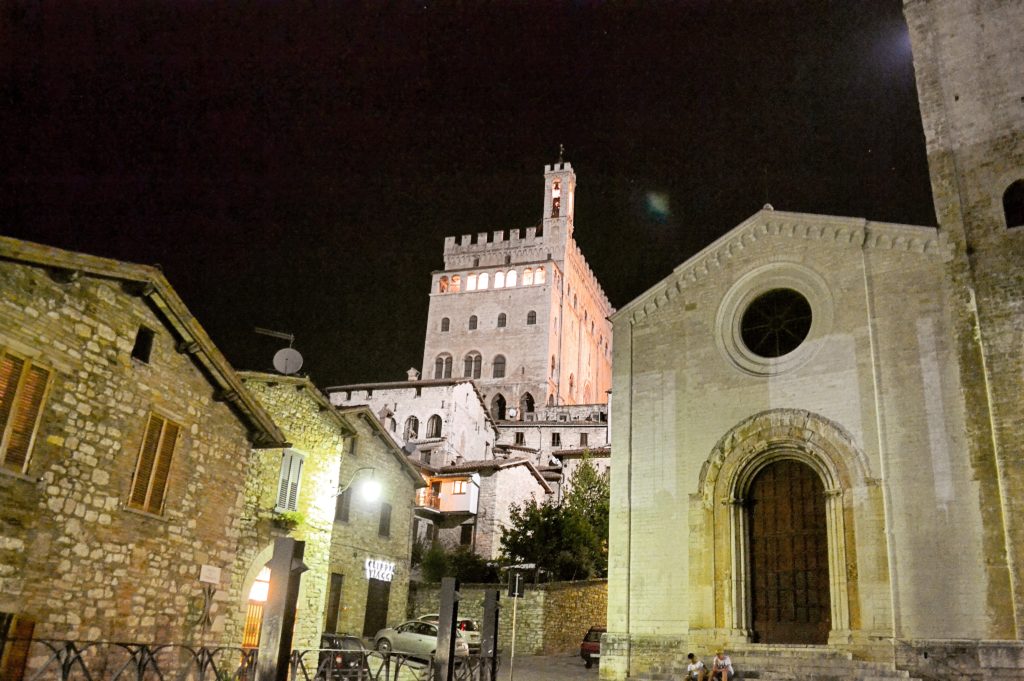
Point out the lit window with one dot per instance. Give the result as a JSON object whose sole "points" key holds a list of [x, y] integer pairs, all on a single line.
{"points": [[484, 280], [498, 366], [472, 323], [445, 324], [538, 277], [456, 284], [459, 487], [510, 279], [531, 318], [502, 319], [471, 282], [556, 198], [527, 277], [288, 481], [22, 391], [154, 465], [499, 280], [442, 285]]}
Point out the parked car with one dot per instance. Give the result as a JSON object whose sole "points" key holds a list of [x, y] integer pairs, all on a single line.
{"points": [[342, 658], [590, 648], [470, 629], [416, 639]]}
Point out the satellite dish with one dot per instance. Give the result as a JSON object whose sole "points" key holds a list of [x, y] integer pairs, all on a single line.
{"points": [[287, 361]]}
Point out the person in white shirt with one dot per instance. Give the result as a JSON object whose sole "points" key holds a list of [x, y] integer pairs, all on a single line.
{"points": [[695, 671], [721, 667]]}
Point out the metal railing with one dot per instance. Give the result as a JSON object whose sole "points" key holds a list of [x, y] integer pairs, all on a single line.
{"points": [[428, 499], [373, 665]]}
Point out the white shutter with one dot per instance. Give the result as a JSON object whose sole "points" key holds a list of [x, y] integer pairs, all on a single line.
{"points": [[288, 482]]}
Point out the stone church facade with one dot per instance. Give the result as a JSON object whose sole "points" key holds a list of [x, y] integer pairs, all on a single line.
{"points": [[818, 420]]}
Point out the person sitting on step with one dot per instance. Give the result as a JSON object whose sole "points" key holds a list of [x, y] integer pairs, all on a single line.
{"points": [[695, 671], [721, 667]]}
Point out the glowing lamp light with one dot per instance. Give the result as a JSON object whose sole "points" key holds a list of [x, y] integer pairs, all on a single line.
{"points": [[371, 490]]}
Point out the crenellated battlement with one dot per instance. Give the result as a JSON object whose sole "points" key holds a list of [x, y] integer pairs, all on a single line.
{"points": [[585, 273], [498, 239]]}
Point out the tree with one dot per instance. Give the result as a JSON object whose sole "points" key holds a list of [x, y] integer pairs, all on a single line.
{"points": [[568, 540]]}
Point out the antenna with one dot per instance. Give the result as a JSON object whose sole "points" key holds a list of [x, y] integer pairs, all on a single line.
{"points": [[286, 360]]}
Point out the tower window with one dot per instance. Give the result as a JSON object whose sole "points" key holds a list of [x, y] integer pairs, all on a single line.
{"points": [[471, 282], [143, 344], [508, 259], [531, 318], [472, 323], [556, 198], [499, 280], [510, 279], [538, 277], [498, 366], [456, 284], [442, 285], [502, 319], [484, 281], [445, 324], [527, 277], [1013, 204], [472, 365]]}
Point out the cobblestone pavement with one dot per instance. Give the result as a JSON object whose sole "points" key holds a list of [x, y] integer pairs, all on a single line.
{"points": [[547, 668]]}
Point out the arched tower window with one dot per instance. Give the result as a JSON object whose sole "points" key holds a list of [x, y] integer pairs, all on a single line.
{"points": [[502, 320], [499, 280], [472, 322], [538, 276], [434, 426], [472, 365], [526, 404], [456, 284], [445, 324], [412, 428], [443, 366], [531, 317], [527, 277], [483, 281], [556, 198], [498, 407], [442, 285], [498, 366], [471, 282], [510, 279], [1013, 204]]}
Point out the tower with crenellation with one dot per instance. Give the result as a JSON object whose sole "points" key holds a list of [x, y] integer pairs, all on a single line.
{"points": [[521, 312]]}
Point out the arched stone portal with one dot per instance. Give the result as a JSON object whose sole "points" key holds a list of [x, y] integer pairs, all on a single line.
{"points": [[821, 451]]}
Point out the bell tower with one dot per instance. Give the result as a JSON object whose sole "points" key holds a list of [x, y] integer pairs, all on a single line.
{"points": [[559, 198]]}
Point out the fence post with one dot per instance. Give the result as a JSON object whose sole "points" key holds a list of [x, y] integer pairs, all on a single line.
{"points": [[489, 636], [444, 658]]}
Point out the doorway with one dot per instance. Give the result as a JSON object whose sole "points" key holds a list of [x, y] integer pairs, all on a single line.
{"points": [[788, 555], [377, 596]]}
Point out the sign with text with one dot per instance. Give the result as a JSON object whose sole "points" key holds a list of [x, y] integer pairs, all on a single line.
{"points": [[379, 569]]}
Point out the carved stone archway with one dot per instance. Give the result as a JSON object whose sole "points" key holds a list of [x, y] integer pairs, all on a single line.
{"points": [[725, 480]]}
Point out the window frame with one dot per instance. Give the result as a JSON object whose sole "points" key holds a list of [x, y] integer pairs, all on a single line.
{"points": [[153, 473], [384, 524], [296, 462], [460, 486], [343, 506], [13, 410], [498, 365]]}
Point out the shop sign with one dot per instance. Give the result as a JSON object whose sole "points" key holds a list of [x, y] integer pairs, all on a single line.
{"points": [[379, 569]]}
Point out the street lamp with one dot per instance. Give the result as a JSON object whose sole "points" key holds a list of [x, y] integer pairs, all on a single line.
{"points": [[370, 488]]}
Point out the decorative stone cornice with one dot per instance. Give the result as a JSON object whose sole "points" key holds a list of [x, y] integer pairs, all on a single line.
{"points": [[844, 232]]}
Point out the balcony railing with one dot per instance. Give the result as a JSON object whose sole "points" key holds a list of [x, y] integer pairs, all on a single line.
{"points": [[427, 499]]}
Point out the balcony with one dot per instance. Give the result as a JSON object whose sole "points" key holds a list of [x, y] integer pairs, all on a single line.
{"points": [[427, 499]]}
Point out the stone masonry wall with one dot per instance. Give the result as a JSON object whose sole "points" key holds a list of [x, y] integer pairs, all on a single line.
{"points": [[73, 558], [551, 619]]}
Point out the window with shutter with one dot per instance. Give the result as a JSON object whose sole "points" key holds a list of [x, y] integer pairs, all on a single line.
{"points": [[288, 482], [385, 520], [342, 506], [23, 388], [153, 469]]}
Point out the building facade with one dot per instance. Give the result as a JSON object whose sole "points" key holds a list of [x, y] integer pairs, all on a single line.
{"points": [[817, 419], [522, 313], [126, 441]]}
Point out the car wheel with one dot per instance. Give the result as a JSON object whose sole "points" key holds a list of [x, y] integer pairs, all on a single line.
{"points": [[384, 645], [590, 663]]}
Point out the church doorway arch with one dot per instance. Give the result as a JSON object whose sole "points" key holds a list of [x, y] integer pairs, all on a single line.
{"points": [[788, 543], [498, 407]]}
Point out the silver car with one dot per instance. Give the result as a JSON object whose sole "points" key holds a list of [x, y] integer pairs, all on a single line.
{"points": [[469, 628], [416, 639]]}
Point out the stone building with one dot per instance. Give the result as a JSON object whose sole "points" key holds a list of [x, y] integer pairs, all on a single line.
{"points": [[126, 441], [521, 312], [818, 420]]}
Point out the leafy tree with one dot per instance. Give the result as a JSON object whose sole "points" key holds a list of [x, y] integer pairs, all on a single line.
{"points": [[460, 562], [568, 540]]}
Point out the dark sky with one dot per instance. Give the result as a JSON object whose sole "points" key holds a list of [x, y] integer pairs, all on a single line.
{"points": [[296, 165]]}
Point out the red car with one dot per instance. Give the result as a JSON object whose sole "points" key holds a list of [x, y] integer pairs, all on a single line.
{"points": [[590, 648]]}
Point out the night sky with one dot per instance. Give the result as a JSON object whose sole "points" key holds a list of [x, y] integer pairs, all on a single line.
{"points": [[297, 165]]}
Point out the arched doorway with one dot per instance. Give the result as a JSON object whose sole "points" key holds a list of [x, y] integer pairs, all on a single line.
{"points": [[498, 407], [788, 541]]}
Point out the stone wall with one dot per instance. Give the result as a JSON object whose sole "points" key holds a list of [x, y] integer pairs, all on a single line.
{"points": [[73, 557], [551, 619]]}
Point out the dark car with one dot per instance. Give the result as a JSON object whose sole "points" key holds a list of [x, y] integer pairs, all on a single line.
{"points": [[590, 648], [342, 657]]}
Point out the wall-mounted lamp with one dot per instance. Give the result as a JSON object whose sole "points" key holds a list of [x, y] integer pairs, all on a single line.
{"points": [[370, 488]]}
